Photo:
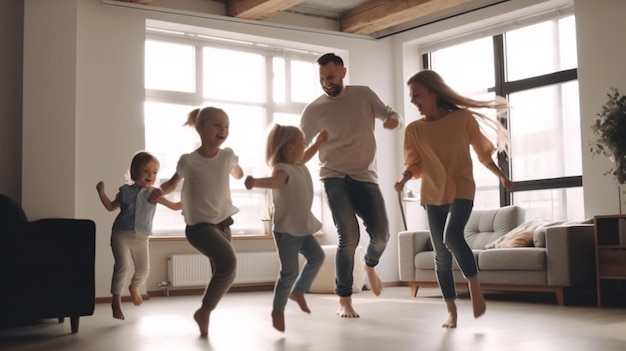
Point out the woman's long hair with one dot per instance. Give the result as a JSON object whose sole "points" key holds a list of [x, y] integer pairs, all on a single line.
{"points": [[449, 99]]}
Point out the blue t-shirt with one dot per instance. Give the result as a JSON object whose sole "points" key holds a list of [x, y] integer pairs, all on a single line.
{"points": [[136, 213]]}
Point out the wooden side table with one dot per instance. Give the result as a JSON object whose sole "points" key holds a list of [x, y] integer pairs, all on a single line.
{"points": [[610, 233]]}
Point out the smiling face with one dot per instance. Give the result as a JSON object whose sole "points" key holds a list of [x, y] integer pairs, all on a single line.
{"points": [[147, 174], [424, 99], [214, 130], [331, 78]]}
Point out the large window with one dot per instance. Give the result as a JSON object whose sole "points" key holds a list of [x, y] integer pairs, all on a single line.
{"points": [[534, 67], [255, 84]]}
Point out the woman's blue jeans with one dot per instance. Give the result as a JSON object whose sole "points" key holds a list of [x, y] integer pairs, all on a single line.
{"points": [[449, 239], [347, 199]]}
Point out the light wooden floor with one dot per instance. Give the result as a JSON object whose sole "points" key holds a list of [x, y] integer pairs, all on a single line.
{"points": [[393, 321]]}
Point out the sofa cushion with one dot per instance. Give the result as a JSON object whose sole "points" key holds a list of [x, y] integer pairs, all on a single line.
{"points": [[426, 260], [515, 259], [521, 236], [539, 237], [485, 226]]}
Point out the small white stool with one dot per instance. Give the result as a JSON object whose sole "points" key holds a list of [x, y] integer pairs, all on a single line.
{"points": [[324, 282]]}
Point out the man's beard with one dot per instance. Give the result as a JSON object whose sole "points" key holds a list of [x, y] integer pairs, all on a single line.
{"points": [[335, 90]]}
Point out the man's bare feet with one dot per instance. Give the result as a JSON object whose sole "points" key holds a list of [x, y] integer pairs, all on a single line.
{"points": [[136, 295], [116, 307], [298, 296], [452, 315], [345, 309], [201, 317], [278, 320], [375, 283]]}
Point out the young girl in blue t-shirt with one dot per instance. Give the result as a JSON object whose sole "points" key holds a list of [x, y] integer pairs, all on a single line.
{"points": [[131, 228]]}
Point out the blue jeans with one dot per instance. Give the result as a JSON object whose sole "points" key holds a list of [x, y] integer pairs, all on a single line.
{"points": [[347, 199], [289, 246], [449, 240]]}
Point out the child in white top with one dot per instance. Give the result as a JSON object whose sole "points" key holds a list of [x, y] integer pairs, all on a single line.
{"points": [[131, 228], [207, 204], [294, 224]]}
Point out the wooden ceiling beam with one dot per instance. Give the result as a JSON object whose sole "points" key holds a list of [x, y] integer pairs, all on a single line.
{"points": [[257, 9], [376, 15]]}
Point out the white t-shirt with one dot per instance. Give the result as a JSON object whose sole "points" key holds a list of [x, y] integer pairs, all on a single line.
{"points": [[351, 146], [292, 202], [206, 190]]}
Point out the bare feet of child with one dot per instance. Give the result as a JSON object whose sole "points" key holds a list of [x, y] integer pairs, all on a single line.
{"points": [[375, 283], [136, 295], [298, 296], [278, 320], [452, 315], [201, 317], [345, 308], [116, 307]]}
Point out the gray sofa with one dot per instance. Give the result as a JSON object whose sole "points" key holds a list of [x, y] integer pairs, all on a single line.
{"points": [[559, 256]]}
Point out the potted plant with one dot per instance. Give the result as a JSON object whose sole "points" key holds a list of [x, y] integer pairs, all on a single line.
{"points": [[609, 131]]}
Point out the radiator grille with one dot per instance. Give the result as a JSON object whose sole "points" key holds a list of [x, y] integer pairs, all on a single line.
{"points": [[191, 270]]}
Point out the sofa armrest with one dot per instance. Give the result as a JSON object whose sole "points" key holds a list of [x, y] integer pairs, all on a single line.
{"points": [[409, 244], [571, 255]]}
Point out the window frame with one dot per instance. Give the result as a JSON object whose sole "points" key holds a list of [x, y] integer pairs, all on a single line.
{"points": [[504, 88], [196, 98]]}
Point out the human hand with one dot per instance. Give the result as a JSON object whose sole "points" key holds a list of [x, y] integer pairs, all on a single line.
{"points": [[391, 123], [154, 196], [398, 186], [249, 182], [322, 136], [100, 186], [507, 183]]}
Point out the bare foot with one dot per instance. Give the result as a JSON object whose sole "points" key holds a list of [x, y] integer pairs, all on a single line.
{"points": [[278, 320], [345, 309], [452, 315], [201, 317], [478, 300], [136, 295], [298, 296], [450, 322], [375, 283], [478, 305], [116, 306]]}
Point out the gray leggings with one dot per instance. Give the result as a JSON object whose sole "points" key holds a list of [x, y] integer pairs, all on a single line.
{"points": [[213, 241], [129, 250], [448, 239]]}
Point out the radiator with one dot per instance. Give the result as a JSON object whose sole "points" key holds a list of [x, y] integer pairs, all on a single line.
{"points": [[194, 270]]}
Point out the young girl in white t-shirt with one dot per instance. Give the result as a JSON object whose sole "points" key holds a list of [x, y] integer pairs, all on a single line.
{"points": [[207, 203], [294, 224]]}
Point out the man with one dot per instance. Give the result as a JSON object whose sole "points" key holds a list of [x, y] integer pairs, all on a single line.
{"points": [[348, 170]]}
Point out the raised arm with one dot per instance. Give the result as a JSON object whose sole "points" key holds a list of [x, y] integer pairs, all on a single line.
{"points": [[236, 172], [165, 189], [108, 204], [176, 206], [321, 138], [278, 179]]}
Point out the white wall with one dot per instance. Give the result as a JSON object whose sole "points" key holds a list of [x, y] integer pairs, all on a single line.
{"points": [[87, 112], [600, 29]]}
